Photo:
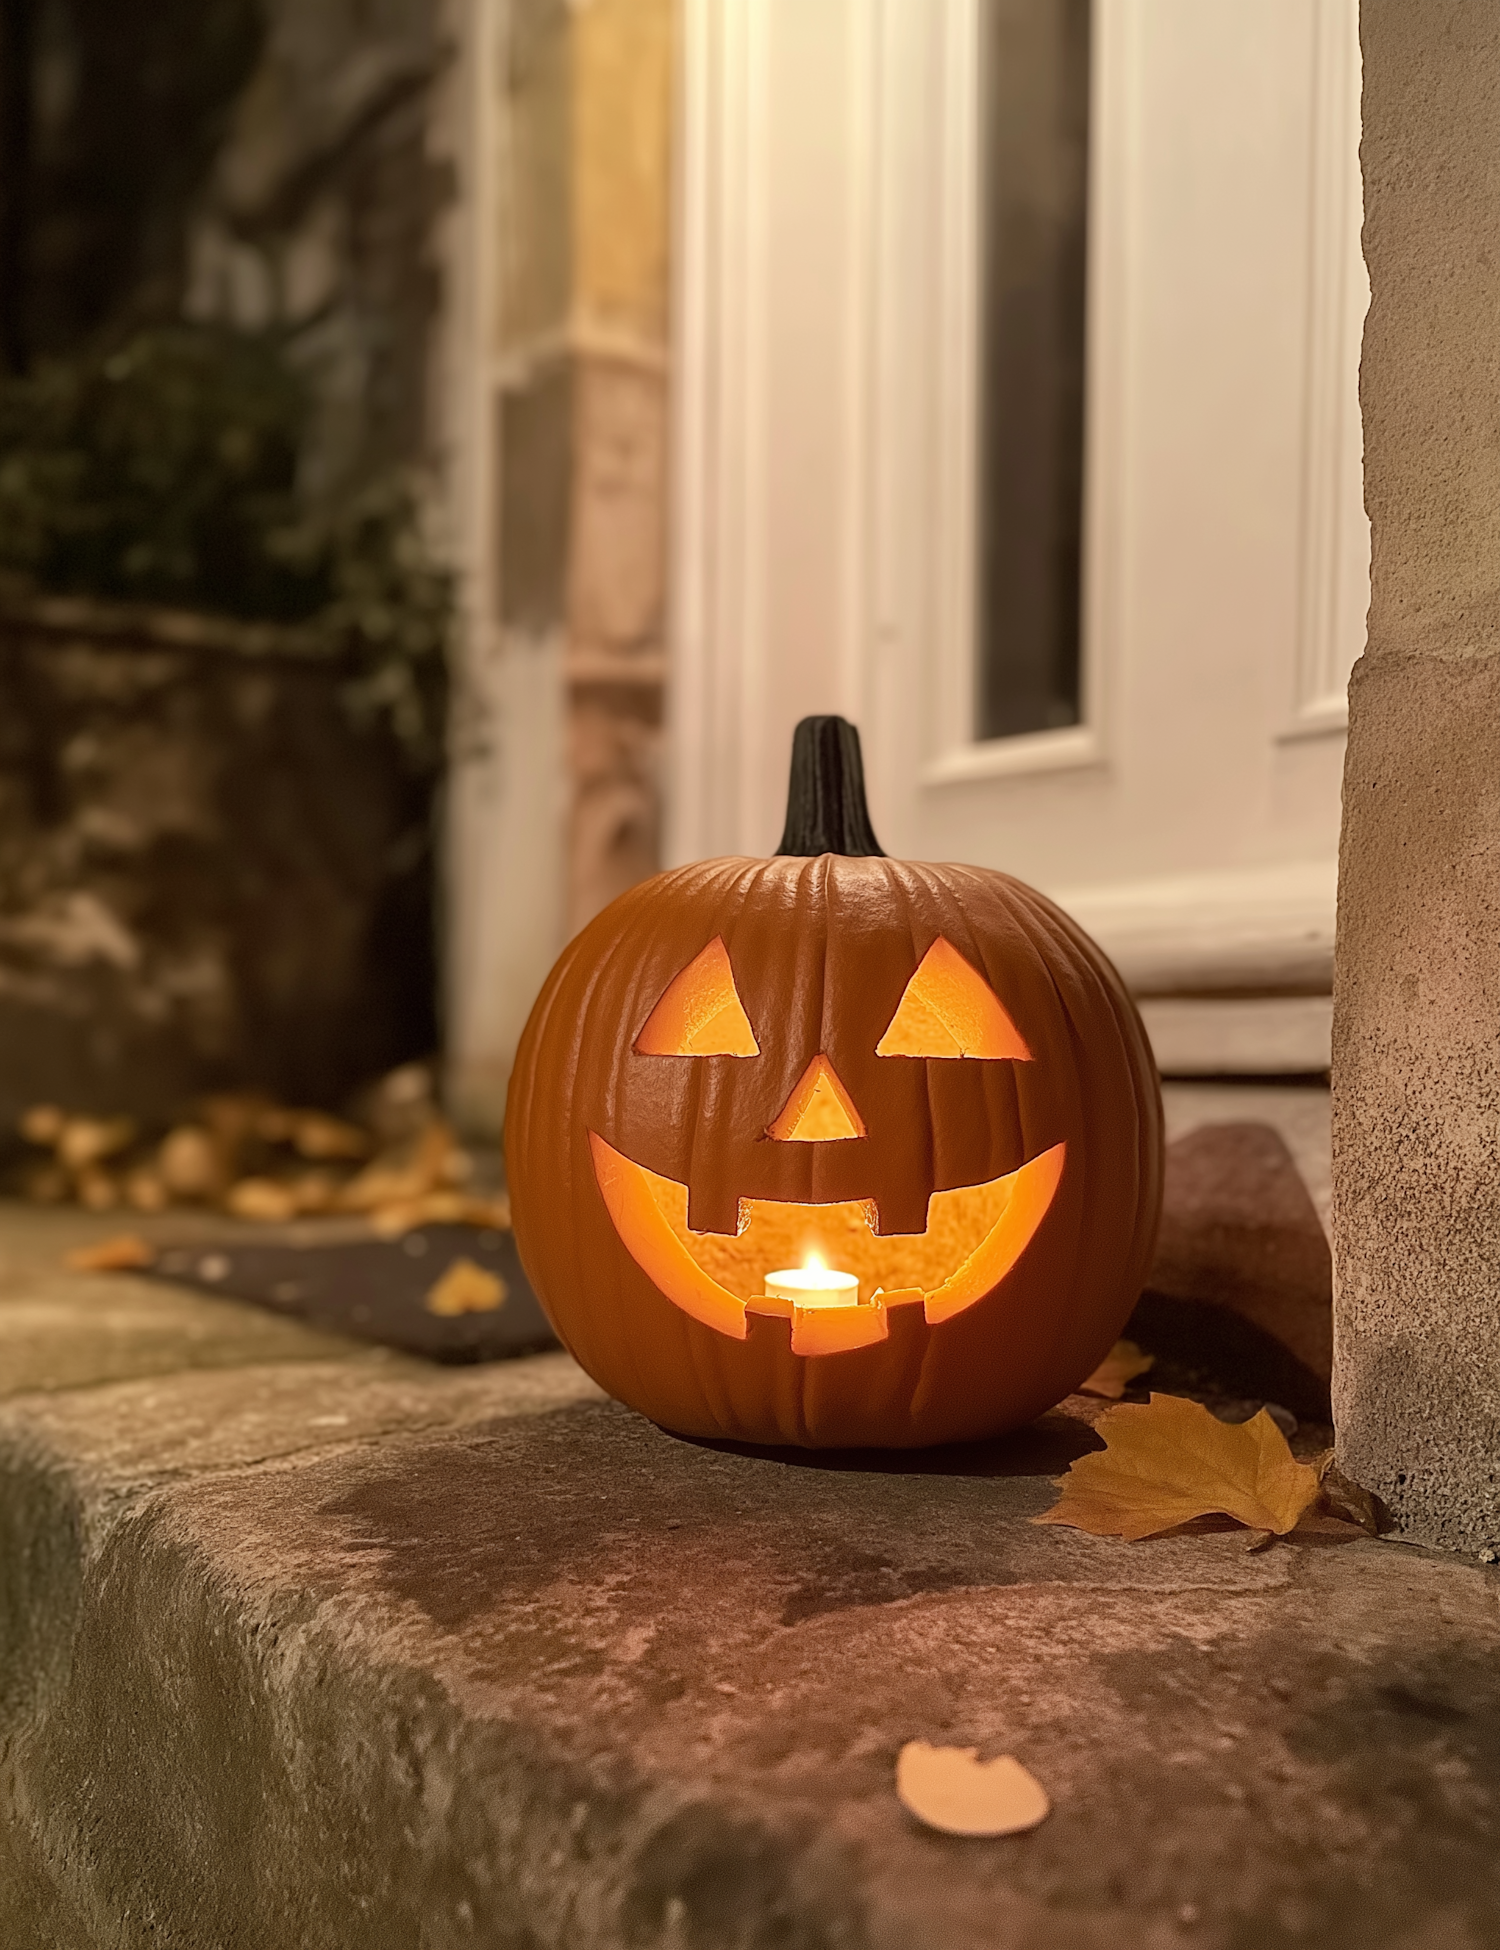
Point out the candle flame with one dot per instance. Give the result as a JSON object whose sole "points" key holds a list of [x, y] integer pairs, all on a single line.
{"points": [[814, 1263]]}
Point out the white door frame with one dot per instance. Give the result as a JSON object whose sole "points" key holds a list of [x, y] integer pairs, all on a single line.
{"points": [[825, 367]]}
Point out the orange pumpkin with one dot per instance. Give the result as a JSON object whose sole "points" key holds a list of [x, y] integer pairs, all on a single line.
{"points": [[924, 1080]]}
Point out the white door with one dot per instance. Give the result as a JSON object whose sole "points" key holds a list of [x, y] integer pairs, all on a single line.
{"points": [[841, 467]]}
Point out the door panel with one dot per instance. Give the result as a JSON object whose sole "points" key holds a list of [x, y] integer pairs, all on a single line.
{"points": [[831, 512]]}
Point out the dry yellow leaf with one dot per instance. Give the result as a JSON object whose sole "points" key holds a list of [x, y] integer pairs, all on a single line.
{"points": [[117, 1254], [393, 1221], [83, 1141], [190, 1162], [951, 1788], [264, 1199], [440, 1208], [315, 1191], [145, 1191], [319, 1137], [465, 1289], [96, 1190], [42, 1124], [1116, 1371], [400, 1176], [1170, 1461]]}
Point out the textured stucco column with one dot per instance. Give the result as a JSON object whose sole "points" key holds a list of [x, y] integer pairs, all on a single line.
{"points": [[556, 788], [1416, 1057]]}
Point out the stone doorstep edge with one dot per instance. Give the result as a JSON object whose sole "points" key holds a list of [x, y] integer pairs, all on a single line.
{"points": [[131, 1672]]}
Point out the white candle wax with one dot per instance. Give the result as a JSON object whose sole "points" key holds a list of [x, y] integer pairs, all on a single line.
{"points": [[813, 1286]]}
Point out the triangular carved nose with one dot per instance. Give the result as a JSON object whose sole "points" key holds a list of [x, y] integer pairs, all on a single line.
{"points": [[819, 1110]]}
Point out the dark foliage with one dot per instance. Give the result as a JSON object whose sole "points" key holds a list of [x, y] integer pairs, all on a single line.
{"points": [[165, 470]]}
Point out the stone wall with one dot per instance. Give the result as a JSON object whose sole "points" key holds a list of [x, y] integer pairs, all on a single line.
{"points": [[209, 874], [251, 162], [317, 217]]}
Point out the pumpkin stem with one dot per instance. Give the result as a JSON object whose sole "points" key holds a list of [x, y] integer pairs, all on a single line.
{"points": [[825, 800]]}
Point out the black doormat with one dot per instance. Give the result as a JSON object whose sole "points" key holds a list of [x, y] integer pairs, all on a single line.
{"points": [[377, 1289]]}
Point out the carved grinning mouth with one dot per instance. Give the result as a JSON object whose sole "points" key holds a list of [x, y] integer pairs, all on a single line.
{"points": [[973, 1237]]}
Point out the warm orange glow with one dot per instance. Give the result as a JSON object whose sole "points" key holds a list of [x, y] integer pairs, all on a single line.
{"points": [[636, 1199], [819, 1110], [974, 1236], [1032, 1190], [950, 1010], [700, 1012]]}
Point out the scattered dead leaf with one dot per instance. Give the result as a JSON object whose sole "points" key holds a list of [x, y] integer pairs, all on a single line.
{"points": [[117, 1254], [1342, 1497], [97, 1191], [264, 1199], [42, 1124], [465, 1289], [440, 1208], [83, 1141], [400, 1176], [145, 1191], [395, 1221], [951, 1788], [1170, 1460], [320, 1138], [315, 1191], [235, 1115], [1116, 1371], [190, 1163]]}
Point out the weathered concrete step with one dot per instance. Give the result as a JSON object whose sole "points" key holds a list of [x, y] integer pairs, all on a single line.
{"points": [[492, 1662]]}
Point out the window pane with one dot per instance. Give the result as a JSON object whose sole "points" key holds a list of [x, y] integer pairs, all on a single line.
{"points": [[1036, 83]]}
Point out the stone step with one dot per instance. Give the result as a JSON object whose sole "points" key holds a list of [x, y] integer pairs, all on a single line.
{"points": [[302, 1644]]}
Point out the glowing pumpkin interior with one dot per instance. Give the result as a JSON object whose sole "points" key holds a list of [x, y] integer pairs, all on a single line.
{"points": [[700, 1012], [974, 1233], [950, 1010], [819, 1110]]}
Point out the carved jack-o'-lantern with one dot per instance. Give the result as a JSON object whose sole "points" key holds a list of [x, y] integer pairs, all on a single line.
{"points": [[832, 1149]]}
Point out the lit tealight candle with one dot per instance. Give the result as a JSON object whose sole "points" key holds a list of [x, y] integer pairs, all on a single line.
{"points": [[814, 1285]]}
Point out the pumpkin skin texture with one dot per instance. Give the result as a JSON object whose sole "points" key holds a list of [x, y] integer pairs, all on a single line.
{"points": [[821, 951]]}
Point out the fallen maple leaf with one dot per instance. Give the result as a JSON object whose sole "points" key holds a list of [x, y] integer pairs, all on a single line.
{"points": [[466, 1289], [1170, 1460], [117, 1254], [951, 1788], [1116, 1371]]}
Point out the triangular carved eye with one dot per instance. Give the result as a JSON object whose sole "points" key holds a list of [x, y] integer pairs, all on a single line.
{"points": [[700, 1013], [950, 1010]]}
